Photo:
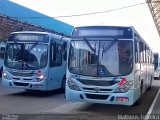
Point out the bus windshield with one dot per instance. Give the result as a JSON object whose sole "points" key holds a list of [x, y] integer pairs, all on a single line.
{"points": [[26, 56], [101, 57]]}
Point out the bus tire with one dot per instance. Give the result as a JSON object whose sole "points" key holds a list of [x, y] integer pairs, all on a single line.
{"points": [[138, 102]]}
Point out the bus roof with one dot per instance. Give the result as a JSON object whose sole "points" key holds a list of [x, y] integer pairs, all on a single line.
{"points": [[20, 32], [100, 26]]}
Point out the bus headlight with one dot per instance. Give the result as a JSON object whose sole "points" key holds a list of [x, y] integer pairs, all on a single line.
{"points": [[124, 87], [40, 77], [72, 85], [4, 74]]}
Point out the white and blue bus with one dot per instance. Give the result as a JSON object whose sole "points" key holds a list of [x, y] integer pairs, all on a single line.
{"points": [[35, 61], [109, 65]]}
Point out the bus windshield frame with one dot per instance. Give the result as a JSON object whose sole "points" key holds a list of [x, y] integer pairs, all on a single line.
{"points": [[97, 51], [26, 55]]}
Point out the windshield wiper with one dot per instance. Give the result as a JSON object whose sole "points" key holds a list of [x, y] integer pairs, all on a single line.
{"points": [[35, 44], [108, 46], [89, 45]]}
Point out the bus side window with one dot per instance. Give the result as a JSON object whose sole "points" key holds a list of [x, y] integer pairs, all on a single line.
{"points": [[145, 54], [64, 49], [141, 52], [136, 52], [148, 55], [2, 49], [55, 55], [152, 58]]}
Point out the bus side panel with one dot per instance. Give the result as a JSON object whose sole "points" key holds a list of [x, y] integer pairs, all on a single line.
{"points": [[55, 76], [137, 81], [145, 80]]}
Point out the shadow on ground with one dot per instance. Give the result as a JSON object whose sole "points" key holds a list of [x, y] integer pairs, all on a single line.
{"points": [[32, 93]]}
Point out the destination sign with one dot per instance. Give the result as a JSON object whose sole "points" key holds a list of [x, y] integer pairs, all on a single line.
{"points": [[28, 37], [103, 31], [100, 32]]}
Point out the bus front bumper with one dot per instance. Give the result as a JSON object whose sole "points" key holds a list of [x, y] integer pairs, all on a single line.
{"points": [[104, 98], [25, 85]]}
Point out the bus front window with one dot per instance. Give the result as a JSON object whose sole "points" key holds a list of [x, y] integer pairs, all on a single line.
{"points": [[29, 56], [101, 58]]}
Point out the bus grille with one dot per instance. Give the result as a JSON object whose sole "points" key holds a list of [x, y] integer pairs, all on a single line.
{"points": [[97, 82], [22, 74], [93, 96], [93, 89], [21, 84]]}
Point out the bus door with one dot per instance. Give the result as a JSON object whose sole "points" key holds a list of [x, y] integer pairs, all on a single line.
{"points": [[143, 64], [146, 67], [137, 62], [141, 61], [56, 66]]}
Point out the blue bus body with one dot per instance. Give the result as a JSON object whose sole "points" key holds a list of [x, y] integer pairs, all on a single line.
{"points": [[108, 64], [35, 61]]}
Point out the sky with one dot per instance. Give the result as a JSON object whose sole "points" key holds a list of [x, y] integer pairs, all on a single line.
{"points": [[138, 16]]}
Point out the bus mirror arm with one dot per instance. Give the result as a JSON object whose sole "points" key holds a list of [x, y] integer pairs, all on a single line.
{"points": [[61, 40]]}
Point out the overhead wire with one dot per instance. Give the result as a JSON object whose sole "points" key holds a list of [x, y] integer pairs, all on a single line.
{"points": [[101, 12], [85, 14]]}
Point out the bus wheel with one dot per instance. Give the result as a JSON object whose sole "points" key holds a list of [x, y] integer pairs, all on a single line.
{"points": [[138, 102]]}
